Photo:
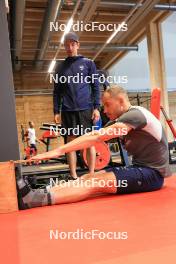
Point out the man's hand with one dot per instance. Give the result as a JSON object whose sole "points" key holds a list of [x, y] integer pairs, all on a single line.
{"points": [[57, 118], [47, 155], [95, 116]]}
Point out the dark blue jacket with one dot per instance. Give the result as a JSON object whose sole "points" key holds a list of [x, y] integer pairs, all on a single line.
{"points": [[70, 96]]}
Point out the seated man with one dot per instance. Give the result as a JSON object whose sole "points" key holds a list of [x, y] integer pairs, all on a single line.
{"points": [[144, 139]]}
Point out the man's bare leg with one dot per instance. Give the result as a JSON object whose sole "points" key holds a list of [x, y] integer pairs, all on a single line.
{"points": [[70, 193], [72, 159], [91, 159]]}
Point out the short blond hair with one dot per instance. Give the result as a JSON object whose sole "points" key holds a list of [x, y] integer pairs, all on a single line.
{"points": [[115, 90]]}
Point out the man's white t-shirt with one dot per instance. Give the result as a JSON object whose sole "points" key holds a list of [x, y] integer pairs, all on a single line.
{"points": [[31, 135]]}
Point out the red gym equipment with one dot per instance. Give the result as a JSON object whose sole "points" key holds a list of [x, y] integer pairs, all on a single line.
{"points": [[155, 102], [155, 109], [102, 155]]}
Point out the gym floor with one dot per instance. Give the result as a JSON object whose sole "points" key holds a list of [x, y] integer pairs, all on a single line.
{"points": [[148, 218], [144, 223]]}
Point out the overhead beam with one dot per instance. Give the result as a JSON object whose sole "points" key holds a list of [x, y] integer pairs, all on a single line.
{"points": [[136, 37], [51, 14], [87, 12], [18, 29], [137, 19], [134, 26], [91, 11], [72, 16], [127, 5], [100, 12], [88, 48]]}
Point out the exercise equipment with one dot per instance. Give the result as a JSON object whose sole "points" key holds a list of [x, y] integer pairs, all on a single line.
{"points": [[102, 155], [169, 122], [155, 102], [53, 129], [155, 109], [111, 153], [171, 145], [51, 132], [29, 152], [140, 99], [42, 174], [102, 149], [46, 137]]}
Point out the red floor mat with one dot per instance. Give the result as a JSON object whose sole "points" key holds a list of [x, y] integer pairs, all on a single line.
{"points": [[148, 218]]}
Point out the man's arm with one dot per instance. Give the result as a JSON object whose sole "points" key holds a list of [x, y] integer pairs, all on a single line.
{"points": [[95, 85], [87, 140], [104, 134], [57, 100], [95, 92]]}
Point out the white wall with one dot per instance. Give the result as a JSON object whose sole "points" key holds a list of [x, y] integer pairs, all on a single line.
{"points": [[135, 66]]}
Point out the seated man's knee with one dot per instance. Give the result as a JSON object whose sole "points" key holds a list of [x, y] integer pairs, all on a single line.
{"points": [[101, 182]]}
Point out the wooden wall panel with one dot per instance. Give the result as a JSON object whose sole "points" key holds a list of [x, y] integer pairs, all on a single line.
{"points": [[38, 109], [31, 80]]}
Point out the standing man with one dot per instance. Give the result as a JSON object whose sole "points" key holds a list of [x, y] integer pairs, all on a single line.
{"points": [[78, 100]]}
